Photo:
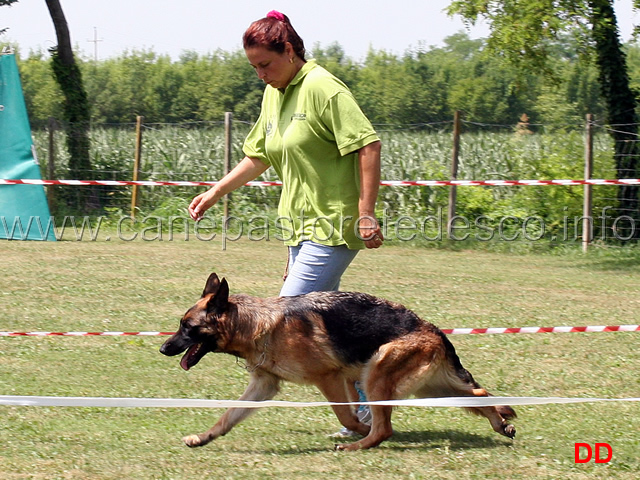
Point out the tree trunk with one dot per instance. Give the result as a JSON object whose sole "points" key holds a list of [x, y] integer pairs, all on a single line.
{"points": [[621, 103], [76, 105]]}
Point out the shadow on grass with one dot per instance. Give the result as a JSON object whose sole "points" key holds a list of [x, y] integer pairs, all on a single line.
{"points": [[454, 440], [421, 440], [617, 264]]}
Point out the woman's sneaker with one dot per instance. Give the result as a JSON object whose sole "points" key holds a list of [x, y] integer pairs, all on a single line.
{"points": [[364, 415]]}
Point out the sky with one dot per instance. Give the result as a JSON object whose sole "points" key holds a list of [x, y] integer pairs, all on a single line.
{"points": [[110, 27]]}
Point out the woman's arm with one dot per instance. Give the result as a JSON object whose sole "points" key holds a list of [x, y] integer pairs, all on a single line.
{"points": [[369, 166], [248, 169]]}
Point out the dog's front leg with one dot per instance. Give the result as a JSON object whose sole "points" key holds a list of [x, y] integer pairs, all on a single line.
{"points": [[262, 386]]}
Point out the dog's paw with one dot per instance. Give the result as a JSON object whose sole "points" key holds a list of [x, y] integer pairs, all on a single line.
{"points": [[192, 441], [347, 447], [509, 431]]}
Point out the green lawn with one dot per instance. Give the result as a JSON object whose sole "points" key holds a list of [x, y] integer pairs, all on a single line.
{"points": [[146, 286]]}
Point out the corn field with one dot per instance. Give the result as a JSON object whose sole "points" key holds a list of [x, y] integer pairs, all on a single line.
{"points": [[196, 152]]}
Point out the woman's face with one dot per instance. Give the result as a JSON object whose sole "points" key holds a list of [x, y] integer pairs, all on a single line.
{"points": [[273, 68]]}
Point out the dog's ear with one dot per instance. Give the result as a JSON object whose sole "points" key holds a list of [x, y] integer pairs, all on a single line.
{"points": [[213, 283], [218, 302]]}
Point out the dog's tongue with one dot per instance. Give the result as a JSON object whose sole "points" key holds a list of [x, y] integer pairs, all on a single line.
{"points": [[184, 363]]}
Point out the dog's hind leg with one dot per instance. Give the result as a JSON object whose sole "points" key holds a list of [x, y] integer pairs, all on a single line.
{"points": [[465, 385], [262, 386], [446, 377], [451, 382], [381, 430], [497, 416], [378, 386]]}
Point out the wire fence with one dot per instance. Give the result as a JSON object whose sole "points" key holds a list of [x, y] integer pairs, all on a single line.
{"points": [[195, 152]]}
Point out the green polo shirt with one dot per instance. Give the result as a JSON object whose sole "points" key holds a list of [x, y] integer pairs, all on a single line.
{"points": [[311, 133]]}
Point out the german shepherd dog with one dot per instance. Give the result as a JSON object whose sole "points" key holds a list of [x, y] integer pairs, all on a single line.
{"points": [[330, 340]]}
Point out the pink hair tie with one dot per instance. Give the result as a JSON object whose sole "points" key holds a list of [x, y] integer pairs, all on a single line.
{"points": [[275, 14]]}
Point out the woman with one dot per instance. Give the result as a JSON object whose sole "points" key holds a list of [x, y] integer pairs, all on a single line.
{"points": [[323, 148]]}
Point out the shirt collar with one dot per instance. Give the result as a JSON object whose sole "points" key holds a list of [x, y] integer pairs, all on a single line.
{"points": [[306, 68]]}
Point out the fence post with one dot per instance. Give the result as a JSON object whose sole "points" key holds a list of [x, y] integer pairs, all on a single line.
{"points": [[228, 119], [587, 221], [136, 165], [454, 171], [51, 164]]}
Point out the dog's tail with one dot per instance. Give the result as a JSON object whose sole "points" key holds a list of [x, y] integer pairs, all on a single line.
{"points": [[505, 411]]}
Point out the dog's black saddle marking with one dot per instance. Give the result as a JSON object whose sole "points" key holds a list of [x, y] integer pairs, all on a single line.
{"points": [[357, 323]]}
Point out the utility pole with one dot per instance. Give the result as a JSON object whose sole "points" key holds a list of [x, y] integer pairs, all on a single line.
{"points": [[95, 43]]}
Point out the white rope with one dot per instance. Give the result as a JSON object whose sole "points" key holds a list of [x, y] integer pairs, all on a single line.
{"points": [[111, 402]]}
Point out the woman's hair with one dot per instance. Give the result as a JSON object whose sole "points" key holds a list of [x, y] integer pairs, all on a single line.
{"points": [[272, 33]]}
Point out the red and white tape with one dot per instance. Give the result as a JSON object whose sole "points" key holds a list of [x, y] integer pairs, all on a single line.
{"points": [[388, 183], [118, 183], [84, 334], [588, 329], [448, 331]]}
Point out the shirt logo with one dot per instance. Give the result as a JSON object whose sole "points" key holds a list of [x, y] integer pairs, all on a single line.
{"points": [[299, 116]]}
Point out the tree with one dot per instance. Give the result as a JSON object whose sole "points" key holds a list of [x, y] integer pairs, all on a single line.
{"points": [[483, 87], [41, 91], [334, 59], [76, 105], [523, 32]]}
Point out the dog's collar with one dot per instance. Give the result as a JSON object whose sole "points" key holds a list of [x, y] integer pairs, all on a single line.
{"points": [[261, 360]]}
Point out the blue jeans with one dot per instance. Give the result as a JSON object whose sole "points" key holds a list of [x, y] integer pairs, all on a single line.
{"points": [[314, 267]]}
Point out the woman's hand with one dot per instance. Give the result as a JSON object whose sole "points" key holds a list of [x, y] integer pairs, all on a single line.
{"points": [[248, 169], [202, 203], [370, 231]]}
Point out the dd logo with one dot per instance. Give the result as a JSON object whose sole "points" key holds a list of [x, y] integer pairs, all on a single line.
{"points": [[593, 453]]}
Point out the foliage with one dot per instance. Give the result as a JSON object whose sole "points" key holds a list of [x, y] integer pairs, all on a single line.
{"points": [[525, 31], [423, 85], [195, 153], [41, 92]]}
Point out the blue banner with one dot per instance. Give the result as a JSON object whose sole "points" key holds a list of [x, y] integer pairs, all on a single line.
{"points": [[24, 212]]}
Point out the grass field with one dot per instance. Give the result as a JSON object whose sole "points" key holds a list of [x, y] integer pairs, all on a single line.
{"points": [[146, 286]]}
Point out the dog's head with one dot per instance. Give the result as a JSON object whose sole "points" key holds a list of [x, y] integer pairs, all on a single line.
{"points": [[199, 333]]}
